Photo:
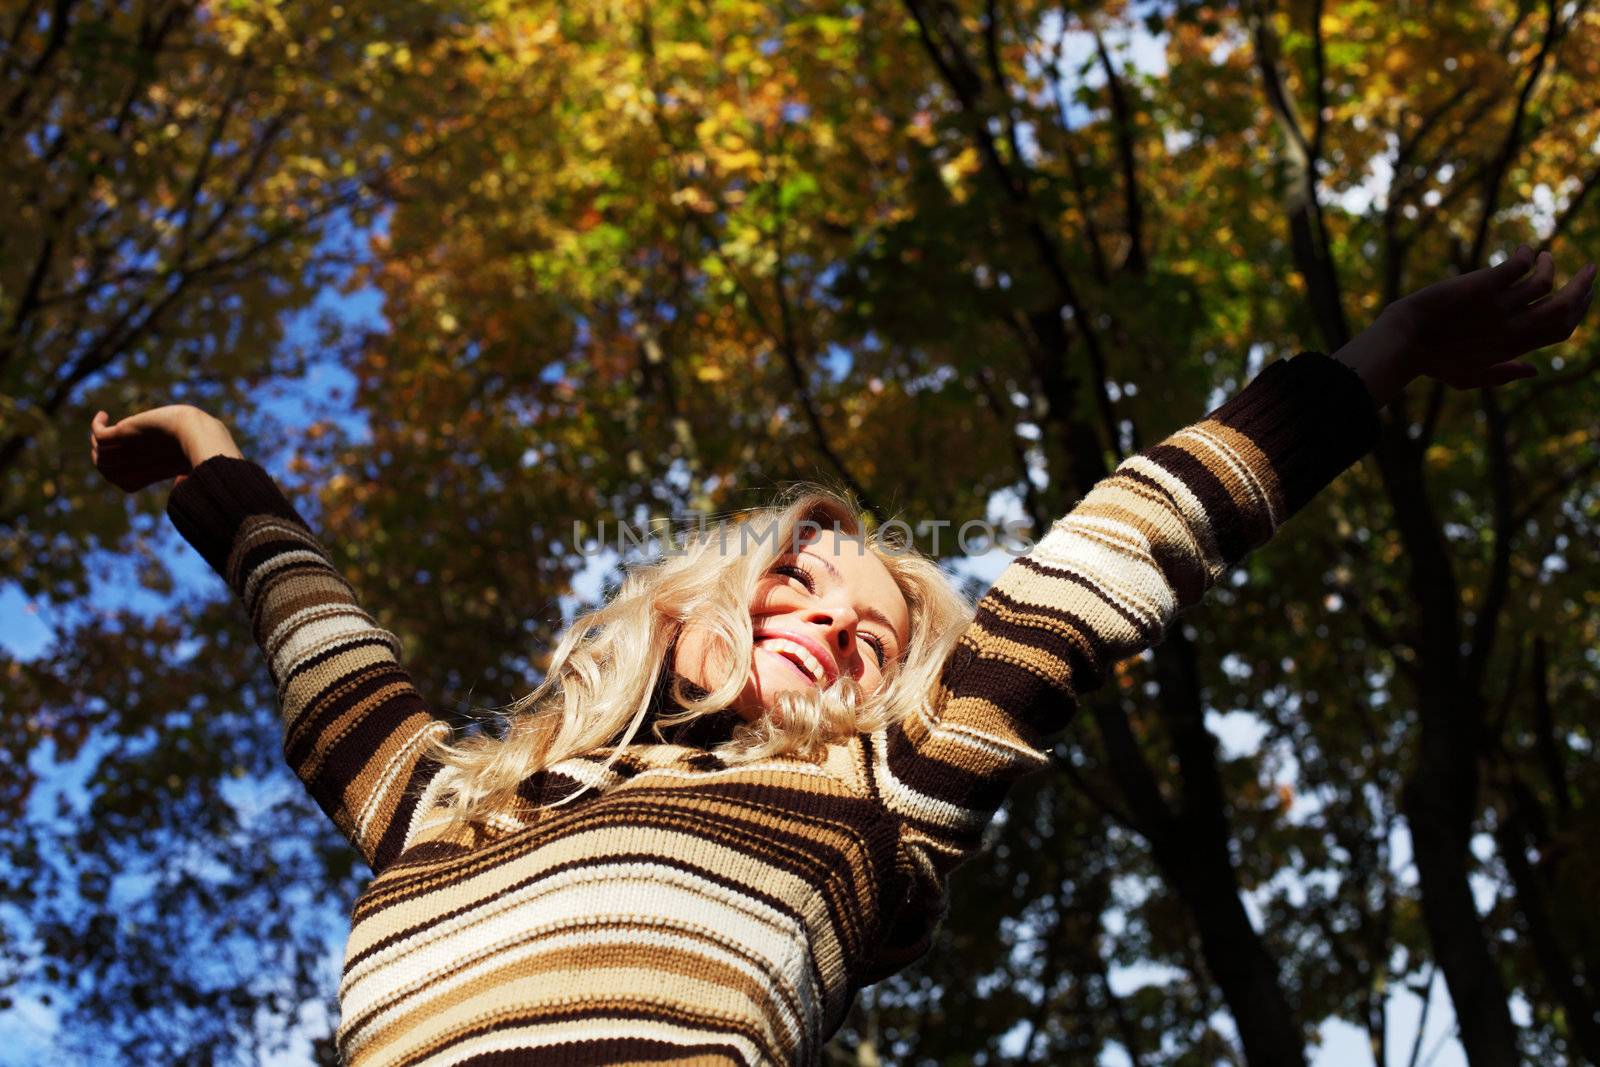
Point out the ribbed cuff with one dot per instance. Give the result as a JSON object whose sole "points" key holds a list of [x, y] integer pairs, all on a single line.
{"points": [[1313, 417], [209, 505]]}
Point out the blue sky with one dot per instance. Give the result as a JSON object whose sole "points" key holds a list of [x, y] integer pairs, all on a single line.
{"points": [[26, 629]]}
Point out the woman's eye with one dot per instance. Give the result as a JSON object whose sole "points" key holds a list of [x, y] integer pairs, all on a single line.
{"points": [[877, 647], [800, 574]]}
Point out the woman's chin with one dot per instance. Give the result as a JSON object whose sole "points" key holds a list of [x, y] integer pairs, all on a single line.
{"points": [[760, 696]]}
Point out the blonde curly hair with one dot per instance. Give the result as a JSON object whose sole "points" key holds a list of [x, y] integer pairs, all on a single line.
{"points": [[612, 668]]}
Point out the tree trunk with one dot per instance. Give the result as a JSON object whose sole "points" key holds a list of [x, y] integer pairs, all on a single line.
{"points": [[1441, 793]]}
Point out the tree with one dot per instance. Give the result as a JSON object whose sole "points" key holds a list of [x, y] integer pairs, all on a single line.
{"points": [[956, 256]]}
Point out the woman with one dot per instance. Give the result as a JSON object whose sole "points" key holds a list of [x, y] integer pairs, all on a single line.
{"points": [[737, 795]]}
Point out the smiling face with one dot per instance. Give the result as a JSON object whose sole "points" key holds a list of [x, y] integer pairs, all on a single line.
{"points": [[830, 609]]}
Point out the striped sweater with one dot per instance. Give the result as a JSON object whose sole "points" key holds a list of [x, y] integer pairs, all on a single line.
{"points": [[689, 911]]}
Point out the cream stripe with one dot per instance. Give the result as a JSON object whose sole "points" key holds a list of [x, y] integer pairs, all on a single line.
{"points": [[1189, 504], [304, 636], [1172, 527], [738, 771], [278, 561], [1212, 442], [398, 767], [916, 836], [590, 774], [1001, 749], [426, 802], [1144, 592], [902, 798]]}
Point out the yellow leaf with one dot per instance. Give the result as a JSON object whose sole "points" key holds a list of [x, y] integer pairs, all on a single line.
{"points": [[694, 199], [965, 163], [741, 160]]}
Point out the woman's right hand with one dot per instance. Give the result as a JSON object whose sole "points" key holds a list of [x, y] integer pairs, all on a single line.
{"points": [[154, 445]]}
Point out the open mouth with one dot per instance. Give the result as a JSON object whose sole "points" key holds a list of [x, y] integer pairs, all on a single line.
{"points": [[797, 656]]}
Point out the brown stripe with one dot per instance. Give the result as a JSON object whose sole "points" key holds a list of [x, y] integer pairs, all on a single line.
{"points": [[939, 778], [357, 686], [1180, 566], [1234, 530], [285, 593]]}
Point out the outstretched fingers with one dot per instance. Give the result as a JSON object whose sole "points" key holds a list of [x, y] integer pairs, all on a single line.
{"points": [[1496, 281], [1534, 286], [1551, 320], [1499, 374]]}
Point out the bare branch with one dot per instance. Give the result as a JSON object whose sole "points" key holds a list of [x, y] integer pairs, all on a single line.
{"points": [[1134, 261], [1069, 151], [1508, 148], [1005, 413], [950, 58], [1307, 227]]}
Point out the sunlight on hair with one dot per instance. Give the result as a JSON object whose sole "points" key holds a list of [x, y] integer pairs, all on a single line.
{"points": [[611, 666]]}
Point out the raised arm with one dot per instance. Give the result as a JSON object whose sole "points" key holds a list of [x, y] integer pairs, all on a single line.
{"points": [[354, 723], [1153, 536], [1102, 585], [1107, 579]]}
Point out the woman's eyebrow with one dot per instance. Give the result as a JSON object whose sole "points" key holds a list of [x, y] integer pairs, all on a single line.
{"points": [[867, 611]]}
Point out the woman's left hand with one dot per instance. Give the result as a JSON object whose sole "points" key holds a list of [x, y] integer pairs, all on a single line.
{"points": [[1468, 331], [1471, 330]]}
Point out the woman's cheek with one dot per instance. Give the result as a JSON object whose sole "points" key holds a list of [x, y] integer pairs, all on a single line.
{"points": [[700, 661], [697, 660]]}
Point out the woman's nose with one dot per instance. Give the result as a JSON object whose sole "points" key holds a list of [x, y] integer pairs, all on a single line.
{"points": [[839, 623]]}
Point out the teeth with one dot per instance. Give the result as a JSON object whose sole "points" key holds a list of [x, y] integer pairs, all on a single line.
{"points": [[807, 661]]}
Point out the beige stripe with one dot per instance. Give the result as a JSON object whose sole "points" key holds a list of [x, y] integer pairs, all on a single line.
{"points": [[1104, 626], [350, 717], [346, 671], [1152, 518], [958, 742], [1191, 514], [576, 899], [283, 566], [981, 729], [1239, 464], [637, 963], [310, 633], [377, 808], [259, 529], [1119, 573]]}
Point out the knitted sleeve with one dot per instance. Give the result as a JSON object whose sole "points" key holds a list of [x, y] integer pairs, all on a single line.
{"points": [[354, 724], [1102, 585]]}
